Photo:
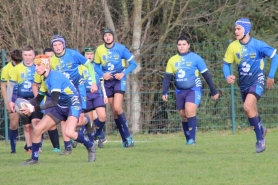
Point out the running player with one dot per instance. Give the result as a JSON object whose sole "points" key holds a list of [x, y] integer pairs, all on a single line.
{"points": [[23, 76], [249, 55], [64, 106], [186, 66], [110, 66], [16, 58], [67, 61], [95, 101], [52, 132]]}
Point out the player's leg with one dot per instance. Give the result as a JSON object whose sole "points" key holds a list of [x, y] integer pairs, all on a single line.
{"points": [[100, 119], [262, 128], [117, 107], [249, 107], [192, 101], [54, 138], [180, 104], [28, 129], [66, 139], [13, 132], [34, 122], [99, 124], [71, 124], [45, 123]]}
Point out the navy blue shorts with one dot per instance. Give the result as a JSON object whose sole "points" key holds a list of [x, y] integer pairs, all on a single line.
{"points": [[59, 114], [257, 90], [188, 95], [115, 86], [93, 101]]}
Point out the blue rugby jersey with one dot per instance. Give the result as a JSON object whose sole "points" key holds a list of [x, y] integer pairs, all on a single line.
{"points": [[68, 65], [23, 76], [186, 68], [68, 93], [250, 60]]}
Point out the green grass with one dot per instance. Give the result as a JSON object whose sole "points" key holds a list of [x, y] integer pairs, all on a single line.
{"points": [[218, 158]]}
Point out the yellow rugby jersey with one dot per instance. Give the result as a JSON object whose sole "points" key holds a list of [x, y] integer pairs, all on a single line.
{"points": [[6, 74], [23, 76], [38, 78], [186, 68], [250, 60]]}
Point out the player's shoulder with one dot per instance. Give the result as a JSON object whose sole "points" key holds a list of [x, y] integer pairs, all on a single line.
{"points": [[174, 58], [20, 66], [100, 47]]}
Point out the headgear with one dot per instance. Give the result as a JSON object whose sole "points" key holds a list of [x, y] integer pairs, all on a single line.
{"points": [[245, 24], [58, 38]]}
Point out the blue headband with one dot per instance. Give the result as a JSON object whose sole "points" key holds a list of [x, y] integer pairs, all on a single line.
{"points": [[245, 24]]}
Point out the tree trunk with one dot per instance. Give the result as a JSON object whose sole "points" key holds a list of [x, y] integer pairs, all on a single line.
{"points": [[135, 98]]}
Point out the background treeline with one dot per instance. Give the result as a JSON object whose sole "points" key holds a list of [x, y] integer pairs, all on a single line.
{"points": [[149, 28]]}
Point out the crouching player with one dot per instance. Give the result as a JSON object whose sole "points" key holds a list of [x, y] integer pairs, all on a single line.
{"points": [[64, 106]]}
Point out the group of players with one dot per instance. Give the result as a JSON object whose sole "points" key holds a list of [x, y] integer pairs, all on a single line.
{"points": [[69, 83], [65, 88], [247, 53]]}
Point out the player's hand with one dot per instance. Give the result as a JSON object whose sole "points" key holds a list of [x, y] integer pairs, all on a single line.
{"points": [[11, 106], [269, 83], [8, 109], [107, 76], [215, 97], [231, 79], [119, 76], [165, 98], [94, 88], [105, 99], [26, 111]]}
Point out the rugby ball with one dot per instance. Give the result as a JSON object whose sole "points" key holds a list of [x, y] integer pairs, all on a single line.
{"points": [[21, 103]]}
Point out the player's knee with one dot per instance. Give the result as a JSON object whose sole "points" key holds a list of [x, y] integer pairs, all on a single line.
{"points": [[102, 117], [247, 108], [37, 132], [27, 128], [69, 133]]}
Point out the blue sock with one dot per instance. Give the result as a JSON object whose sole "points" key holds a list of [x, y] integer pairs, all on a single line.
{"points": [[68, 145], [91, 136], [35, 151], [186, 130], [82, 130], [255, 123], [41, 141], [82, 139], [13, 135], [120, 129], [102, 135], [99, 126], [124, 124], [261, 124], [192, 124]]}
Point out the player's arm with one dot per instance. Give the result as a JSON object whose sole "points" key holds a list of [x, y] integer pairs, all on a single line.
{"points": [[36, 101], [35, 88], [210, 83], [131, 67], [98, 69], [273, 67], [166, 83], [103, 90], [10, 89], [4, 95]]}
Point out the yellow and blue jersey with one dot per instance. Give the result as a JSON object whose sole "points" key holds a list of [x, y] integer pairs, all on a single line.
{"points": [[57, 82], [23, 76], [6, 75], [250, 60], [186, 68], [111, 58], [38, 78], [68, 65], [83, 70]]}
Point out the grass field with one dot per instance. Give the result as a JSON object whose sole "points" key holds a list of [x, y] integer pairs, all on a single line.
{"points": [[218, 158]]}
